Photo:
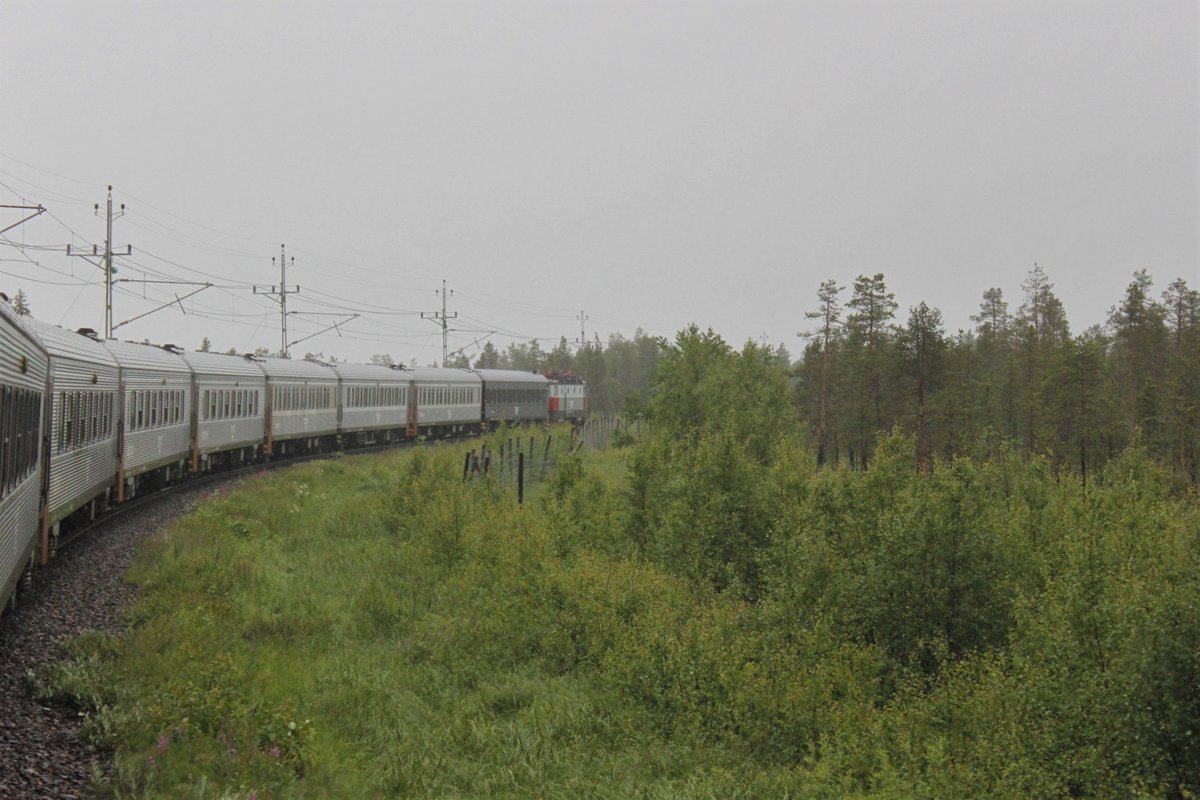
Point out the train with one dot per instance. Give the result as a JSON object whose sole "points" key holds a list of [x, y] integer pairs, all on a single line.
{"points": [[88, 423]]}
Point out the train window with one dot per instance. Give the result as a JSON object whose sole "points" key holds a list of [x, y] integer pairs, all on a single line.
{"points": [[9, 444], [6, 420], [68, 421]]}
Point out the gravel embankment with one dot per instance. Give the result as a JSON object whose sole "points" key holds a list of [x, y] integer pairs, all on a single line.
{"points": [[41, 752]]}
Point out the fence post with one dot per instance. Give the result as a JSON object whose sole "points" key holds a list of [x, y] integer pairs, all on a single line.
{"points": [[520, 478], [467, 465], [545, 458]]}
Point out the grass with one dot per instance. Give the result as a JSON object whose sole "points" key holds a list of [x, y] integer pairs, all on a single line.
{"points": [[374, 627]]}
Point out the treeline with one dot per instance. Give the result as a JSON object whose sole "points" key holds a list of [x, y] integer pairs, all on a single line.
{"points": [[616, 373], [992, 627], [1018, 378]]}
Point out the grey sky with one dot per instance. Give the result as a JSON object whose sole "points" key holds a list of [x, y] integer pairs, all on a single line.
{"points": [[649, 163]]}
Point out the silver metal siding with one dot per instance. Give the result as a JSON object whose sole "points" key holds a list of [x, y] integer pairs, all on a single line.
{"points": [[79, 475], [151, 447], [19, 508], [215, 371]]}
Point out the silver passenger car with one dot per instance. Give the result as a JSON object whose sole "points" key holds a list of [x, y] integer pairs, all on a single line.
{"points": [[302, 402], [83, 382], [24, 370], [374, 399], [447, 400], [514, 396], [155, 409], [229, 394]]}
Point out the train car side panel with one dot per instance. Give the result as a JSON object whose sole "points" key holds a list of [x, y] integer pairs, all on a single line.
{"points": [[24, 369], [230, 397], [83, 423]]}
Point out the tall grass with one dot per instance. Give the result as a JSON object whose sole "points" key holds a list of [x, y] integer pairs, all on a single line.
{"points": [[376, 627]]}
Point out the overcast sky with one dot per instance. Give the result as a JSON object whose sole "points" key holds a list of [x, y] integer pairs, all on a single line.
{"points": [[649, 164]]}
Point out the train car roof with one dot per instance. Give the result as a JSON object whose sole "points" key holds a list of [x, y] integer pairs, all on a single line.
{"points": [[224, 364], [146, 356], [63, 343], [444, 375], [511, 376], [14, 321], [372, 372], [298, 369]]}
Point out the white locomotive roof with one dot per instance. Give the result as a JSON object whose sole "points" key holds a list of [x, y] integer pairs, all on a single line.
{"points": [[444, 375], [62, 343], [224, 365], [511, 376], [146, 356], [298, 369], [375, 373]]}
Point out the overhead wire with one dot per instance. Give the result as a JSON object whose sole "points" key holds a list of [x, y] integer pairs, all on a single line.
{"points": [[369, 312]]}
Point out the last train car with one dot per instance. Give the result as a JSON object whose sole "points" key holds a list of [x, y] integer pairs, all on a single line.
{"points": [[510, 396], [24, 370]]}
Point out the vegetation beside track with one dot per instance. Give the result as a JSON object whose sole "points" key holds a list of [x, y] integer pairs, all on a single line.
{"points": [[702, 615]]}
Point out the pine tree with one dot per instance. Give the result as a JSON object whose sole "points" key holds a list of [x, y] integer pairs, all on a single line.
{"points": [[867, 339], [922, 344], [1139, 345], [205, 345], [1041, 331], [1182, 385], [489, 357], [825, 339], [20, 304]]}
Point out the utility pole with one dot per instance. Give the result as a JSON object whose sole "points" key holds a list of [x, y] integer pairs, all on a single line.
{"points": [[283, 291], [106, 264], [442, 319], [582, 317]]}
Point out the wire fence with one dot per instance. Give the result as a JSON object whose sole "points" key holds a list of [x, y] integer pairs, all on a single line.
{"points": [[519, 460]]}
